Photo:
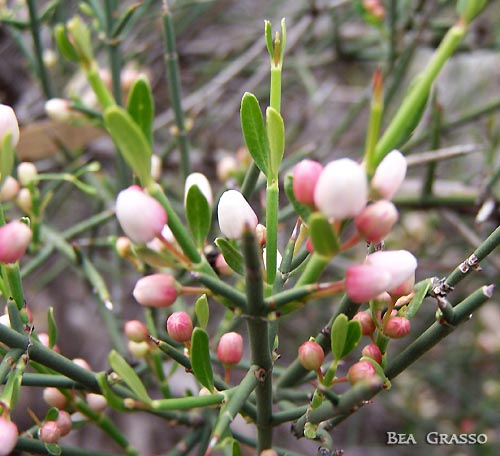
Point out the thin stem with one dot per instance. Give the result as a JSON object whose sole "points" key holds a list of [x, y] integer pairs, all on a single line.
{"points": [[272, 197], [435, 144], [34, 446]]}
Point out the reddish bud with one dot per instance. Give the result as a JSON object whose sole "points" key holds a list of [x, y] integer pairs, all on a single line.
{"points": [[221, 266], [372, 351], [305, 176], [361, 371], [53, 397], [397, 327], [364, 282], [366, 321], [156, 290], [50, 432], [64, 422], [14, 240], [375, 221], [180, 326], [8, 436], [230, 348], [136, 331], [311, 355], [405, 288]]}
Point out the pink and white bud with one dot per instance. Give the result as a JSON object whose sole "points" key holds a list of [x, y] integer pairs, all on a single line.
{"points": [[97, 402], [230, 348], [221, 266], [361, 371], [8, 436], [397, 327], [366, 321], [305, 176], [136, 331], [50, 432], [8, 124], [342, 189], [24, 200], [364, 282], [202, 183], [27, 173], [14, 240], [64, 422], [311, 355], [58, 110], [156, 290], [261, 234], [9, 190], [405, 288], [140, 215], [234, 214], [389, 175], [180, 326], [376, 220], [372, 351], [400, 264], [138, 350], [53, 397]]}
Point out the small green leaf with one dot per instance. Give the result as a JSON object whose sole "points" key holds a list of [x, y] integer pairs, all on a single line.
{"points": [[113, 400], [202, 311], [81, 40], [323, 238], [276, 138], [52, 327], [232, 255], [353, 337], [339, 335], [200, 359], [141, 107], [421, 290], [128, 375], [63, 44], [268, 33], [198, 215], [469, 9], [53, 448], [302, 210], [254, 133], [131, 142], [52, 414]]}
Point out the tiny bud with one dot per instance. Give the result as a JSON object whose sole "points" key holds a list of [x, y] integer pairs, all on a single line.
{"points": [[27, 173], [230, 348], [156, 290], [49, 58], [226, 167], [180, 326], [364, 282], [389, 175], [400, 264], [123, 246], [24, 200], [261, 234], [8, 436], [397, 327], [203, 185], [136, 331], [366, 321], [234, 214], [311, 355], [9, 190], [361, 371], [8, 124], [305, 176], [372, 351], [97, 402], [64, 422], [53, 397], [50, 432], [375, 221], [138, 349], [14, 240], [156, 167], [221, 266], [58, 110]]}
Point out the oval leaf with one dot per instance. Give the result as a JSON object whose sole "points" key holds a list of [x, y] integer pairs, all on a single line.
{"points": [[232, 255], [202, 311], [63, 44], [421, 290], [353, 337], [200, 359], [198, 215], [276, 138], [323, 238], [141, 108], [339, 336]]}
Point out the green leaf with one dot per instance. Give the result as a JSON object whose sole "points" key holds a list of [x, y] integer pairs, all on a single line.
{"points": [[323, 238], [52, 327], [202, 311], [232, 255], [421, 290], [131, 142], [353, 337], [254, 133], [52, 414], [128, 375], [268, 33], [339, 335], [198, 215], [276, 138], [302, 210], [81, 40], [53, 448], [140, 106], [6, 157], [469, 9], [113, 400], [63, 44], [200, 359]]}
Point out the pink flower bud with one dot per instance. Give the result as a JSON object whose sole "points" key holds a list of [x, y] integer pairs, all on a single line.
{"points": [[341, 190], [97, 402], [180, 326], [364, 282], [405, 288], [64, 422], [366, 321], [372, 351], [305, 176], [156, 290], [8, 436], [14, 240], [375, 221], [53, 397], [9, 190], [389, 175], [202, 183], [261, 234], [140, 215], [230, 348], [311, 355], [234, 214], [136, 331], [50, 432], [361, 371], [397, 327], [221, 266], [400, 264], [8, 124]]}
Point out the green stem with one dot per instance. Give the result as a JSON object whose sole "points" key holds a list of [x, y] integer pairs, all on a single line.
{"points": [[33, 446], [275, 90], [113, 50], [250, 181], [376, 110], [15, 283], [435, 144], [236, 298], [272, 197], [8, 362], [189, 402]]}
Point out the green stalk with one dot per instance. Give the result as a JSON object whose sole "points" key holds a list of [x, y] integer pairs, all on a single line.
{"points": [[103, 95], [275, 90], [435, 144], [15, 284], [189, 402], [376, 110], [236, 298], [272, 198], [8, 361], [33, 446]]}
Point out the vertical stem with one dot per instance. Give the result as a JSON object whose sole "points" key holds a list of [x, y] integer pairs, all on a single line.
{"points": [[435, 142], [275, 92], [393, 18], [272, 197]]}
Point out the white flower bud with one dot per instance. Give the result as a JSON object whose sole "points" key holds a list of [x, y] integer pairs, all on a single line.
{"points": [[234, 214]]}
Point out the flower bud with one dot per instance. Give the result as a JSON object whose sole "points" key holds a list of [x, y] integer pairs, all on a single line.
{"points": [[221, 266], [400, 264], [8, 124], [8, 436], [9, 190], [230, 348], [138, 350], [305, 176], [364, 282], [156, 167], [375, 221], [341, 190], [136, 331], [261, 234], [64, 422], [361, 371], [123, 246], [50, 432], [202, 183], [366, 321], [372, 351], [405, 288], [140, 215], [97, 402], [27, 173], [397, 327], [311, 355], [234, 214], [24, 200], [180, 326], [14, 240], [156, 290], [389, 175], [58, 110], [53, 397]]}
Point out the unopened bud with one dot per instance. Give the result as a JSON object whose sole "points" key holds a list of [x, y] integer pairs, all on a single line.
{"points": [[8, 124], [361, 371], [311, 355], [97, 402], [8, 436], [14, 240], [24, 200], [53, 397], [123, 246], [305, 176], [221, 266], [27, 173], [397, 327], [156, 290], [64, 422], [50, 432], [156, 167], [372, 351], [366, 321], [375, 221], [138, 349], [58, 110], [234, 214], [261, 234], [136, 331], [230, 348], [82, 363], [9, 190], [389, 175], [200, 181], [180, 326], [364, 282]]}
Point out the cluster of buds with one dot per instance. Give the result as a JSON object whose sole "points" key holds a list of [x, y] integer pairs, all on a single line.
{"points": [[52, 431]]}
